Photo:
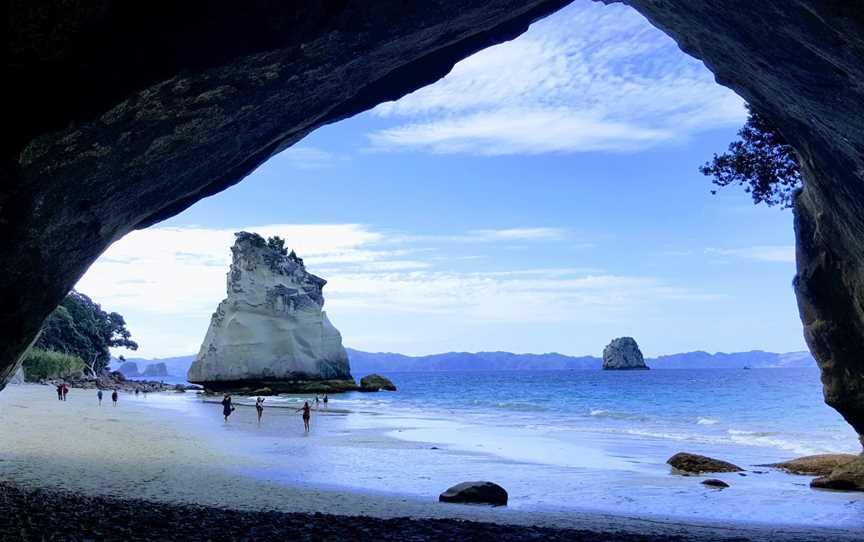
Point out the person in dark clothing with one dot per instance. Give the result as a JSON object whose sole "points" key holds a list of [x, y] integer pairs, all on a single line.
{"points": [[59, 392], [114, 397], [259, 407], [99, 396], [227, 407], [307, 413]]}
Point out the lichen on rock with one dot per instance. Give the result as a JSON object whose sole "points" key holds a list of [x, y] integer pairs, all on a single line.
{"points": [[270, 331]]}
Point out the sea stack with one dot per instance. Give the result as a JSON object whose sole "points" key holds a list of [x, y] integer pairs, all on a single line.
{"points": [[623, 354], [271, 332]]}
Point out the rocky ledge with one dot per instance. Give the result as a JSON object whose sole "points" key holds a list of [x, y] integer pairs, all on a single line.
{"points": [[115, 380]]}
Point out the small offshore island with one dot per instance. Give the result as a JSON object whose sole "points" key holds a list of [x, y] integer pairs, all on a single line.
{"points": [[270, 335]]}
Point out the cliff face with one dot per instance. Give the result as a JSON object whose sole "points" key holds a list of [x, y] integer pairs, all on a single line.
{"points": [[271, 329], [622, 354]]}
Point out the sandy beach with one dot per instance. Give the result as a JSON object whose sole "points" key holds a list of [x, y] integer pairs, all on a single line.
{"points": [[159, 450]]}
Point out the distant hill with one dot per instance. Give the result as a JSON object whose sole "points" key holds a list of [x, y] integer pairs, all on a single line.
{"points": [[175, 367], [366, 362], [387, 362]]}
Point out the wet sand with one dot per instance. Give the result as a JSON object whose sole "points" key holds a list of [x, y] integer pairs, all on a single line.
{"points": [[149, 450]]}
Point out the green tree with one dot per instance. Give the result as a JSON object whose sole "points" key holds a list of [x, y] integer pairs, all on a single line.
{"points": [[39, 364], [81, 328], [762, 161], [277, 244]]}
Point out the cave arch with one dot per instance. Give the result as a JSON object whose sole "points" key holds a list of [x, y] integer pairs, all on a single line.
{"points": [[112, 126]]}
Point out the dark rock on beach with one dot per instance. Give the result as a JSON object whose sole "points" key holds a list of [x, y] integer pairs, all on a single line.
{"points": [[846, 477], [696, 464], [714, 482], [376, 382], [475, 493], [814, 465], [115, 380]]}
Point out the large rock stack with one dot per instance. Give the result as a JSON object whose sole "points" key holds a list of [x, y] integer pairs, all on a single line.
{"points": [[623, 353], [271, 332]]}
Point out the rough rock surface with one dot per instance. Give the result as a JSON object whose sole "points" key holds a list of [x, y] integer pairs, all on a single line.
{"points": [[695, 464], [129, 369], [622, 354], [271, 330], [155, 370], [848, 477], [376, 382], [814, 465], [475, 493], [111, 126], [715, 482], [18, 376]]}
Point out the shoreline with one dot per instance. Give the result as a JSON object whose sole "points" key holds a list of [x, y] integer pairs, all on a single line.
{"points": [[142, 450]]}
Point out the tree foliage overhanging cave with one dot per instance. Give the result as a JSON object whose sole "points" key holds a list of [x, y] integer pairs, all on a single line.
{"points": [[762, 161]]}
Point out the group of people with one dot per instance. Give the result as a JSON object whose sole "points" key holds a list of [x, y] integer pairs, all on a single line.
{"points": [[63, 391], [228, 408]]}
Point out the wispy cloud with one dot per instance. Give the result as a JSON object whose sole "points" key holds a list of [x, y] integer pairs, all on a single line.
{"points": [[763, 253], [589, 78], [307, 157]]}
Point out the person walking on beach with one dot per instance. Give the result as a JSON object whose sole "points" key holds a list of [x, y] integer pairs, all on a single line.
{"points": [[325, 400], [227, 407], [307, 413], [259, 407], [316, 401], [65, 390], [99, 396], [59, 392], [114, 397]]}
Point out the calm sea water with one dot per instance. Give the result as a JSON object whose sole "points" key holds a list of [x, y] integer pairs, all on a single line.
{"points": [[774, 411], [559, 440]]}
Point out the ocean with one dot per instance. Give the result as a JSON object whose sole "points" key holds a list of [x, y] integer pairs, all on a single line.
{"points": [[562, 441]]}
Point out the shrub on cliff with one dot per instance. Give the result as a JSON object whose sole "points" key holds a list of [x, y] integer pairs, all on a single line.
{"points": [[39, 364], [81, 328], [762, 161]]}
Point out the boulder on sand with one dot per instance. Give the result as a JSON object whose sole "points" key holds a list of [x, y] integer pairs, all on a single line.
{"points": [[475, 493], [376, 382], [814, 465], [846, 477], [696, 464], [714, 482]]}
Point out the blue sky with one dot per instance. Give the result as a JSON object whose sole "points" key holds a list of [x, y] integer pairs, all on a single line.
{"points": [[542, 197]]}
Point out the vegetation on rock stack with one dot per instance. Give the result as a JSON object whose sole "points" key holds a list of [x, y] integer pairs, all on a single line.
{"points": [[40, 364], [762, 162], [79, 327]]}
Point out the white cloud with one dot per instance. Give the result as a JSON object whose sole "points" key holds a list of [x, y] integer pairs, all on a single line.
{"points": [[762, 253], [588, 78], [307, 157], [491, 236]]}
